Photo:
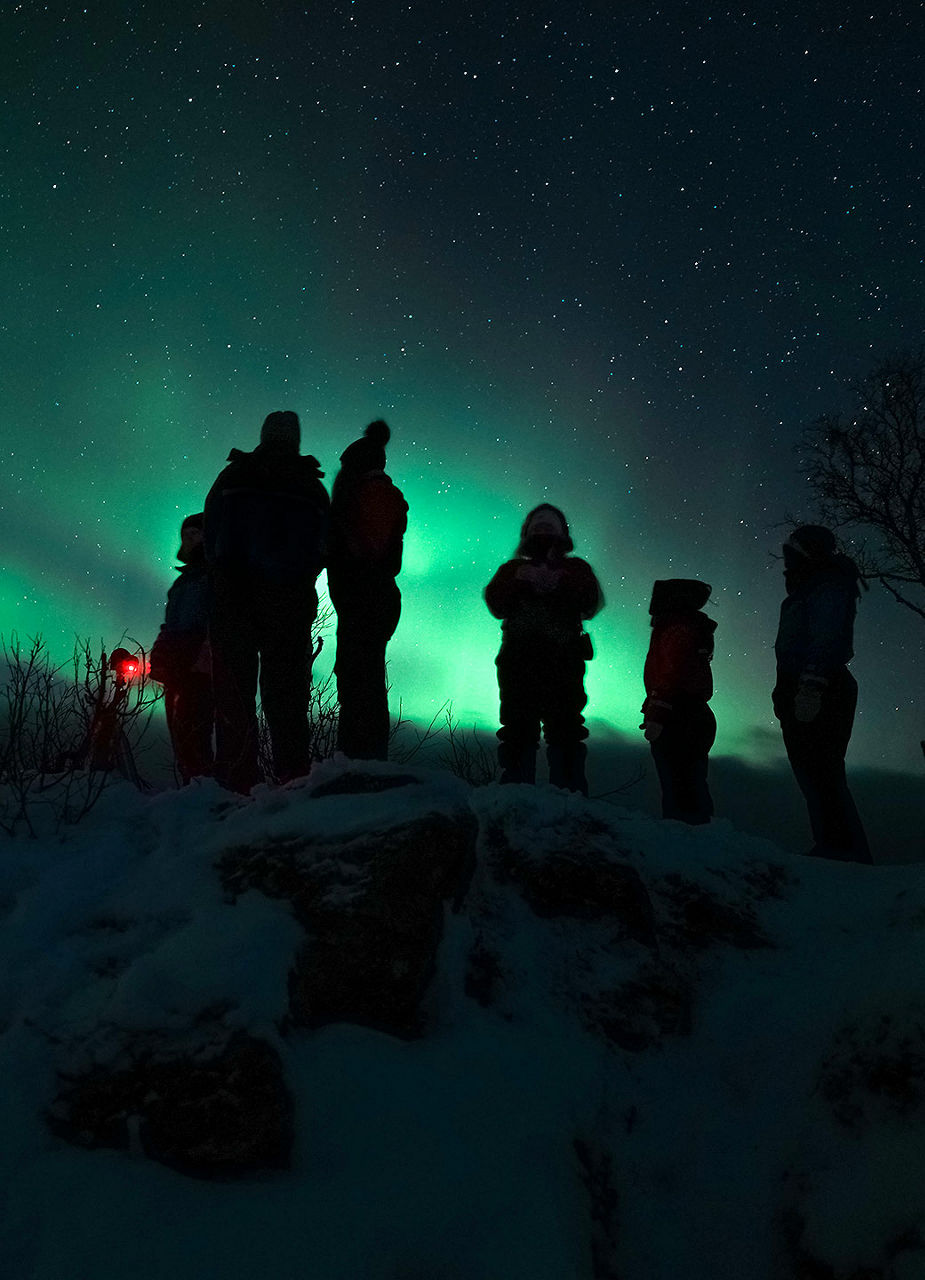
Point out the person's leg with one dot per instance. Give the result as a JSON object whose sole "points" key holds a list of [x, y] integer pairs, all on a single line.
{"points": [[234, 674], [285, 677], [817, 756], [362, 697], [694, 733], [664, 755], [190, 711], [681, 757], [518, 737], [564, 728], [366, 621], [173, 709], [704, 737]]}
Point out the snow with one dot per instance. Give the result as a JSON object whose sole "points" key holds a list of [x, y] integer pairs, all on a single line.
{"points": [[453, 1156]]}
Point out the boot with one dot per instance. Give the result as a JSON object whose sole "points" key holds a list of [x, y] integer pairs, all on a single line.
{"points": [[567, 766]]}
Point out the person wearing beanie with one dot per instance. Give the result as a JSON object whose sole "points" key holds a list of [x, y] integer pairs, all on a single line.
{"points": [[815, 695], [543, 596], [265, 526], [369, 517], [181, 659], [678, 723]]}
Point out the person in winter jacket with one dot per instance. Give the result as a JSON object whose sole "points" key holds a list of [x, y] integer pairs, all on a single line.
{"points": [[265, 526], [815, 695], [677, 720], [181, 659], [369, 517], [542, 597]]}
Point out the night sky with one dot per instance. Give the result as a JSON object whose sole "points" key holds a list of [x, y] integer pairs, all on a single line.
{"points": [[612, 257]]}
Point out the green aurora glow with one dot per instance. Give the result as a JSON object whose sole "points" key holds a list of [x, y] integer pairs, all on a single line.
{"points": [[613, 262]]}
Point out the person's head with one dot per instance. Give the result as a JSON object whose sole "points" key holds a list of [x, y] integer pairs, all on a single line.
{"points": [[678, 595], [191, 538], [281, 430], [544, 531], [809, 549], [367, 453], [812, 542]]}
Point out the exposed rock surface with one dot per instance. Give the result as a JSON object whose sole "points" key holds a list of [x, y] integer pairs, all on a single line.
{"points": [[373, 911], [223, 1115]]}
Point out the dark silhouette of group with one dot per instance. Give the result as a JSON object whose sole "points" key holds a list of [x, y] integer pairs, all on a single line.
{"points": [[240, 615], [246, 599]]}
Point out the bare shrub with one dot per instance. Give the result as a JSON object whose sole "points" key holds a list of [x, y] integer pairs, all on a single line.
{"points": [[66, 729], [467, 754]]}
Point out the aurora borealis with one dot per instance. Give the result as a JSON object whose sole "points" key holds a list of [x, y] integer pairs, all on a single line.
{"points": [[612, 258]]}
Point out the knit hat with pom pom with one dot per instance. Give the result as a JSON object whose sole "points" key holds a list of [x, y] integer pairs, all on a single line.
{"points": [[367, 453]]}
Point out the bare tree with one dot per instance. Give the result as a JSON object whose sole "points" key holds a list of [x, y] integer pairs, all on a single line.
{"points": [[867, 471]]}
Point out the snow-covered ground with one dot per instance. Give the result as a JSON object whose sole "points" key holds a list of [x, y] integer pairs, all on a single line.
{"points": [[722, 1077]]}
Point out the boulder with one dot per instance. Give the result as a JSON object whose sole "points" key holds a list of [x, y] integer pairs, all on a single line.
{"points": [[372, 908], [222, 1115]]}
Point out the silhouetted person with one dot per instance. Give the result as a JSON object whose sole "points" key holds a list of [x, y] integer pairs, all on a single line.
{"points": [[266, 520], [542, 598], [368, 521], [678, 722], [816, 695], [181, 659]]}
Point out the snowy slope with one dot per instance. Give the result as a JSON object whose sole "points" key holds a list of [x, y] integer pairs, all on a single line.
{"points": [[646, 1051]]}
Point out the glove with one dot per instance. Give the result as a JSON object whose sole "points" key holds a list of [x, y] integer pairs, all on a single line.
{"points": [[652, 730], [807, 701]]}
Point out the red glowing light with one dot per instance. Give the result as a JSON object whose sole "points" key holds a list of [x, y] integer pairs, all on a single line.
{"points": [[123, 664]]}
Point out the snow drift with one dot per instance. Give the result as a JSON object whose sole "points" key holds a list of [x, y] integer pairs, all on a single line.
{"points": [[381, 1025]]}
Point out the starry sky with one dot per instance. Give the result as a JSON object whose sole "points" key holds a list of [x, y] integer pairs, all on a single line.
{"points": [[610, 256]]}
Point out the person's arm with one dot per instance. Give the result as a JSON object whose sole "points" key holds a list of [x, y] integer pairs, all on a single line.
{"points": [[591, 597], [504, 590]]}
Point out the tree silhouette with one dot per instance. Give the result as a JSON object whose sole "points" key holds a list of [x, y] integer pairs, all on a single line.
{"points": [[867, 471]]}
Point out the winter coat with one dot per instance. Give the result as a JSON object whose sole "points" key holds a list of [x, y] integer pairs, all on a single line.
{"points": [[816, 631], [181, 647], [266, 517], [677, 672], [188, 600], [543, 600], [369, 517]]}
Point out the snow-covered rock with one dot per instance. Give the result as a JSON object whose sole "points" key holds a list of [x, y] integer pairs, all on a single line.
{"points": [[404, 1029]]}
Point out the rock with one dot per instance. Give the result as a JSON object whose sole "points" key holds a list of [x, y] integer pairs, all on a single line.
{"points": [[697, 918], [484, 973], [373, 911], [876, 1067], [222, 1116], [578, 883], [639, 1013], [356, 784]]}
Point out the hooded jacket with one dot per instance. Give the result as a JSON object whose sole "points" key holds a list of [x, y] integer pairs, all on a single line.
{"points": [[677, 669], [369, 517], [815, 635], [266, 516], [543, 600]]}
